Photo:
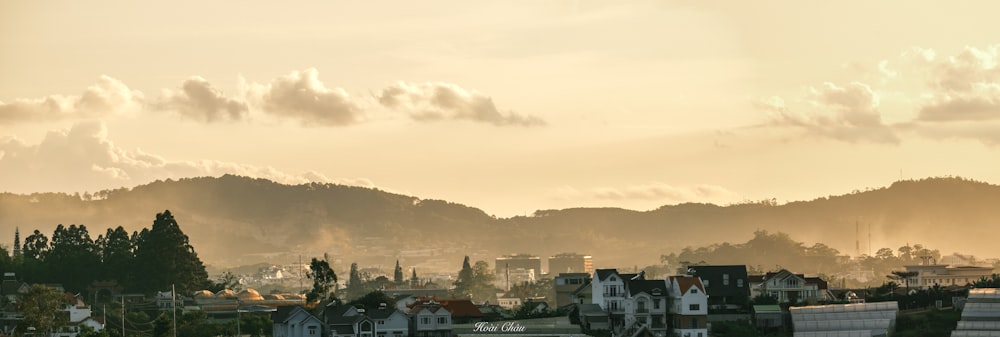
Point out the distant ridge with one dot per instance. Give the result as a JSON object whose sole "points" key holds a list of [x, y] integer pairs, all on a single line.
{"points": [[238, 220]]}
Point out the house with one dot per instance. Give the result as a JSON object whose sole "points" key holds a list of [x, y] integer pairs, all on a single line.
{"points": [[348, 321], [768, 316], [728, 286], [592, 317], [689, 306], [296, 321], [567, 283], [72, 329], [646, 306], [462, 310], [390, 322], [789, 287], [608, 291], [509, 303], [430, 319]]}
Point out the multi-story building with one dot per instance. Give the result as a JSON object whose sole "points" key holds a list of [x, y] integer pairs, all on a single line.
{"points": [[570, 263], [689, 306], [567, 283], [789, 287], [518, 261], [608, 291], [928, 275], [646, 307], [727, 286]]}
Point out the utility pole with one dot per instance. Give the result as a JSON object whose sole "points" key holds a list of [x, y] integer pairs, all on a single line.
{"points": [[123, 315], [173, 305]]}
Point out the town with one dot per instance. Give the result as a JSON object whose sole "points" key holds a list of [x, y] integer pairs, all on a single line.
{"points": [[153, 284]]}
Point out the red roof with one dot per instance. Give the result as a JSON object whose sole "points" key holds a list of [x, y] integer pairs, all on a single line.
{"points": [[686, 282]]}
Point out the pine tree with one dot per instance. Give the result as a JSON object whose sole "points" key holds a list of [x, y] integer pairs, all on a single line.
{"points": [[164, 257], [397, 276], [464, 282]]}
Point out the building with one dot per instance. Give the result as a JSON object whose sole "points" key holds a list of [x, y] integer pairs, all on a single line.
{"points": [[430, 319], [646, 307], [862, 319], [928, 275], [728, 287], [789, 287], [348, 321], [689, 306], [608, 292], [295, 321], [570, 263], [567, 283], [980, 315], [518, 261]]}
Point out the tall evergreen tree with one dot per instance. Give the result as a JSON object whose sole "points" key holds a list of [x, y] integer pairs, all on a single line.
{"points": [[164, 257], [116, 255], [75, 255], [464, 282], [397, 276]]}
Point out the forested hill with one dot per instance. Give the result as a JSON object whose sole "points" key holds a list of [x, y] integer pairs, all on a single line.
{"points": [[238, 220]]}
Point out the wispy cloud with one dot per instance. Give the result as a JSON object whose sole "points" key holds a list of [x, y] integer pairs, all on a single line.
{"points": [[435, 101], [653, 191], [84, 158], [300, 95], [848, 113], [106, 97], [199, 100]]}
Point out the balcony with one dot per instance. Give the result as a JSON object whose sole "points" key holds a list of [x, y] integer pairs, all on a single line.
{"points": [[642, 310]]}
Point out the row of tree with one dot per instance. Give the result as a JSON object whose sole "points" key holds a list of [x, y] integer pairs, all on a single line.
{"points": [[145, 261]]}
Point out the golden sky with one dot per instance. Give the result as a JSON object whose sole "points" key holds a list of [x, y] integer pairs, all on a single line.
{"points": [[505, 106]]}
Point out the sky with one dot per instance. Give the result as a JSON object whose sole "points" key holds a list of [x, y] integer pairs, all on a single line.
{"points": [[510, 106]]}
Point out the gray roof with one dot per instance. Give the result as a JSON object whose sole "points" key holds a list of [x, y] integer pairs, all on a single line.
{"points": [[652, 287], [381, 313]]}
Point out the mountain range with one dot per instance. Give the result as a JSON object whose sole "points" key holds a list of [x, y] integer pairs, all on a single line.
{"points": [[233, 220]]}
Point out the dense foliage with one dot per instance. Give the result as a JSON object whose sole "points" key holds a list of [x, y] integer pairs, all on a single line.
{"points": [[147, 261]]}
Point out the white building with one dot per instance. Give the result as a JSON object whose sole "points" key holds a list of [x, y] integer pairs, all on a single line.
{"points": [[690, 306], [789, 287], [646, 306], [430, 320], [608, 291], [296, 322], [928, 275]]}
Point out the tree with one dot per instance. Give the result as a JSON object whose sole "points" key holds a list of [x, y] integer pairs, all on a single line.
{"points": [[116, 255], [397, 276], [372, 300], [464, 282], [324, 280], [42, 308], [36, 246], [75, 255], [482, 282], [226, 281], [903, 276], [164, 257], [162, 326]]}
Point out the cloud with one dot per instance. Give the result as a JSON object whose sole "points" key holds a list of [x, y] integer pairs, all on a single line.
{"points": [[434, 101], [848, 113], [84, 158], [107, 97], [965, 87], [199, 100], [302, 96], [660, 191]]}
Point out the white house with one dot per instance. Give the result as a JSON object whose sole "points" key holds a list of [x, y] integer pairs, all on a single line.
{"points": [[296, 321], [79, 315], [430, 319], [646, 306], [390, 322], [608, 291], [690, 306], [789, 287], [348, 321]]}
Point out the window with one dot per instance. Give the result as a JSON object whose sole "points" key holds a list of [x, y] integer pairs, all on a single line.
{"points": [[739, 283], [694, 290], [425, 320], [442, 320], [694, 323], [725, 279], [706, 283], [656, 304], [312, 330], [694, 307], [381, 322]]}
